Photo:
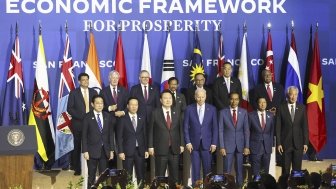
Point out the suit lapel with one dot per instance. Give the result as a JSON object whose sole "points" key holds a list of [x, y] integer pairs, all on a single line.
{"points": [[228, 112], [81, 96], [257, 119]]}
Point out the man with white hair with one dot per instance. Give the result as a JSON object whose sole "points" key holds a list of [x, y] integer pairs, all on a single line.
{"points": [[291, 131]]}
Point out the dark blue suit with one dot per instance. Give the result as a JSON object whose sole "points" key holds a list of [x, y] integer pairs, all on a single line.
{"points": [[234, 139], [122, 97], [201, 136], [127, 137], [261, 141]]}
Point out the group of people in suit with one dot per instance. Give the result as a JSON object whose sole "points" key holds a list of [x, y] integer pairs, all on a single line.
{"points": [[146, 123]]}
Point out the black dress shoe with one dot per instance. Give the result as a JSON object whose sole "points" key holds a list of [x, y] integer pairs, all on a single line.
{"points": [[77, 173]]}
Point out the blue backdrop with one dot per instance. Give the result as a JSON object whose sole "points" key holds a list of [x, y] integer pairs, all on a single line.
{"points": [[184, 15]]}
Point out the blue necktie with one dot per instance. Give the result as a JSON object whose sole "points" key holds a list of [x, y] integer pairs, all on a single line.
{"points": [[99, 123]]}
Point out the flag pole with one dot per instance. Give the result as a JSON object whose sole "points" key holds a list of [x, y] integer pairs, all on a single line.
{"points": [[66, 26], [269, 26], [245, 27], [317, 26], [40, 27], [292, 25], [16, 29]]}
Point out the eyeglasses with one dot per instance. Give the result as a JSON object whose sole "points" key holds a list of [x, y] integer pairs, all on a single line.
{"points": [[144, 77]]}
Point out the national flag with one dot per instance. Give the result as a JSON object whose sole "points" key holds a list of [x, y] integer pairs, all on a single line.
{"points": [[168, 68], [269, 56], [14, 111], [196, 61], [315, 101], [146, 61], [221, 56], [92, 65], [120, 65], [293, 70], [243, 74], [64, 138], [40, 112]]}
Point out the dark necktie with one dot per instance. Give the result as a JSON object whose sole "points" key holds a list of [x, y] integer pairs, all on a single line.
{"points": [[234, 117], [100, 125], [292, 112], [262, 121], [145, 93], [115, 96], [168, 120], [269, 92]]}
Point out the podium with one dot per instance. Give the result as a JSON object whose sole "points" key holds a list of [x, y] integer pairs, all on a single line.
{"points": [[17, 148]]}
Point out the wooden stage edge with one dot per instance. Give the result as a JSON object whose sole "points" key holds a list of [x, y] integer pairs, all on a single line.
{"points": [[56, 179]]}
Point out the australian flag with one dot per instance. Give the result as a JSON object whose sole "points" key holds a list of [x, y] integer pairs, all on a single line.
{"points": [[14, 111], [64, 137]]}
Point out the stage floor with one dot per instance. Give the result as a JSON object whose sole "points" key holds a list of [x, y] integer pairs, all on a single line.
{"points": [[56, 179]]}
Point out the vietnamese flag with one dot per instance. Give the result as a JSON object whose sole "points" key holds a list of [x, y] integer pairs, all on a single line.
{"points": [[315, 102]]}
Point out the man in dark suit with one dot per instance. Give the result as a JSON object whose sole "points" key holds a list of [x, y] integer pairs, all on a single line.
{"points": [[115, 101], [225, 85], [131, 140], [271, 91], [78, 106], [165, 138], [200, 134], [234, 136], [98, 140], [291, 131], [115, 96], [261, 137], [179, 99], [147, 95], [199, 83]]}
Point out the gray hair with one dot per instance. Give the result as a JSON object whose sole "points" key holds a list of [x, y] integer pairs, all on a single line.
{"points": [[200, 90], [114, 72], [292, 88]]}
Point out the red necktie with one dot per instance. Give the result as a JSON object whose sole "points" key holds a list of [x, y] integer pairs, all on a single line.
{"points": [[269, 92], [262, 121], [234, 117], [168, 120], [146, 94], [115, 97]]}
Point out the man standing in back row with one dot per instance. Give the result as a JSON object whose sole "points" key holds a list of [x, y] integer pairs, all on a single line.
{"points": [[78, 106]]}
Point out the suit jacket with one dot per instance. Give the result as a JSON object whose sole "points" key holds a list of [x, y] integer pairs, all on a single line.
{"points": [[261, 91], [122, 95], [259, 137], [158, 134], [291, 134], [127, 135], [180, 103], [93, 139], [194, 131], [76, 107], [221, 94], [146, 107], [230, 136], [190, 95]]}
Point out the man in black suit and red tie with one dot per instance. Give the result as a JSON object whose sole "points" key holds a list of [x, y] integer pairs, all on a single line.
{"points": [[78, 106], [291, 131], [98, 140], [132, 141], [165, 138], [261, 137], [115, 101], [225, 85], [271, 91], [115, 96]]}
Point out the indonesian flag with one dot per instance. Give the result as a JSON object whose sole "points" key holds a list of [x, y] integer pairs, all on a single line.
{"points": [[146, 62], [269, 56], [92, 65], [243, 74], [40, 112], [168, 68], [315, 102], [221, 56], [120, 66]]}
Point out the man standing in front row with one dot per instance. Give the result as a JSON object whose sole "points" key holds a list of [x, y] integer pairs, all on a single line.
{"points": [[165, 140], [234, 136], [261, 137], [200, 134], [98, 138], [132, 141], [78, 106], [292, 131]]}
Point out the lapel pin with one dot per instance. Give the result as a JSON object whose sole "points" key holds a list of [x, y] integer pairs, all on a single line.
{"points": [[231, 81], [92, 117]]}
